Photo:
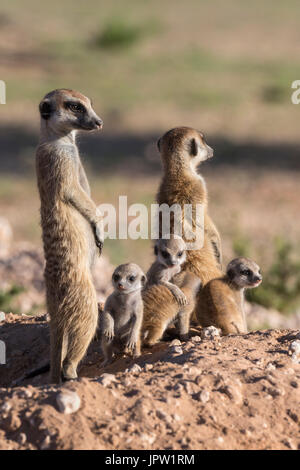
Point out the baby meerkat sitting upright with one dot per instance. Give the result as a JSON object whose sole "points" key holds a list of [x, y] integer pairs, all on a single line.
{"points": [[222, 299], [121, 321], [170, 256]]}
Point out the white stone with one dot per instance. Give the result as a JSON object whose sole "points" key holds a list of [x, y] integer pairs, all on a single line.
{"points": [[68, 402]]}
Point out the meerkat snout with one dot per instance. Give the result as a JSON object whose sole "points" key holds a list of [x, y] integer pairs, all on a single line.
{"points": [[67, 110], [244, 272], [128, 278]]}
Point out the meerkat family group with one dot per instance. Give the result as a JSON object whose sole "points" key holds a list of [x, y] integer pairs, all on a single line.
{"points": [[180, 285]]}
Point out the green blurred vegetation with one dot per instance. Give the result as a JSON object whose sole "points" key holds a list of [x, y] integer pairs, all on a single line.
{"points": [[7, 298]]}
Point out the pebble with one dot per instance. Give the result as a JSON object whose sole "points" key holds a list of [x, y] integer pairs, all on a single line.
{"points": [[134, 369], [196, 339], [22, 438], [46, 443], [176, 350], [175, 342], [210, 332], [2, 317], [68, 402], [106, 379], [295, 347]]}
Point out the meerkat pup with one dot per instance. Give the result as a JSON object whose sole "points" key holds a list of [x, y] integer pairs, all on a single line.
{"points": [[72, 228], [161, 308], [170, 255], [121, 321], [182, 149], [222, 299]]}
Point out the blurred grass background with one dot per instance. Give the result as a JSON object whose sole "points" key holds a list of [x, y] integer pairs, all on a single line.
{"points": [[223, 67]]}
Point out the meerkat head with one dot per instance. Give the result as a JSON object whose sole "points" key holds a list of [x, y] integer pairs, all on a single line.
{"points": [[128, 278], [64, 111], [244, 273], [170, 252], [184, 147]]}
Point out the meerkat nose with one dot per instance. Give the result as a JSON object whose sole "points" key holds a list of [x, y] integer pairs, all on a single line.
{"points": [[99, 123]]}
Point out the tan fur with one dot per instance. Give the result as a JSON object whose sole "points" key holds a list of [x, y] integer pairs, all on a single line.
{"points": [[170, 255], [161, 308], [222, 299], [71, 230], [121, 320], [182, 185]]}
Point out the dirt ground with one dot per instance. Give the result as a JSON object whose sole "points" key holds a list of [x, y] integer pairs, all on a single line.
{"points": [[236, 392]]}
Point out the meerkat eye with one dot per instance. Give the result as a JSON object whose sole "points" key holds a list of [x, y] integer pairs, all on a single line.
{"points": [[180, 254], [165, 254], [75, 107], [131, 278], [246, 272], [116, 277]]}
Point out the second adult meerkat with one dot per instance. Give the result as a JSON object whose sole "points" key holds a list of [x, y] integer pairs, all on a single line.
{"points": [[222, 299], [182, 149], [72, 229]]}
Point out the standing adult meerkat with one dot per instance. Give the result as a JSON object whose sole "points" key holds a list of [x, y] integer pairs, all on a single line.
{"points": [[182, 149], [170, 255], [121, 320], [222, 299], [71, 226]]}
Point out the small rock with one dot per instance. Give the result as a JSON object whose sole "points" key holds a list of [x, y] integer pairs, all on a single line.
{"points": [[148, 367], [22, 438], [210, 333], [175, 342], [68, 402], [6, 407], [134, 369], [46, 443], [177, 417], [196, 339], [270, 366], [204, 396], [295, 347], [176, 350], [2, 317], [106, 379], [148, 438]]}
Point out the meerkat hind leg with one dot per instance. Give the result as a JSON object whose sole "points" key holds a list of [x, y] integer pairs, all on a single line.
{"points": [[183, 324]]}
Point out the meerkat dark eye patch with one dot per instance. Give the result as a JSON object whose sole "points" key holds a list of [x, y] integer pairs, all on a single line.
{"points": [[180, 254], [75, 107], [230, 273], [246, 272], [131, 278], [165, 254], [193, 148], [45, 110], [116, 277]]}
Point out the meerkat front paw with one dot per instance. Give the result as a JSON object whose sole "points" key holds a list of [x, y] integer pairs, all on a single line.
{"points": [[131, 345], [109, 333], [180, 297]]}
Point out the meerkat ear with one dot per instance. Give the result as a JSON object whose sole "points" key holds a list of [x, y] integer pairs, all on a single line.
{"points": [[45, 109], [158, 145], [194, 148], [143, 280], [155, 250]]}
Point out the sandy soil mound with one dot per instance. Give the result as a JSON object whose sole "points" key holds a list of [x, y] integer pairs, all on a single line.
{"points": [[237, 392]]}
